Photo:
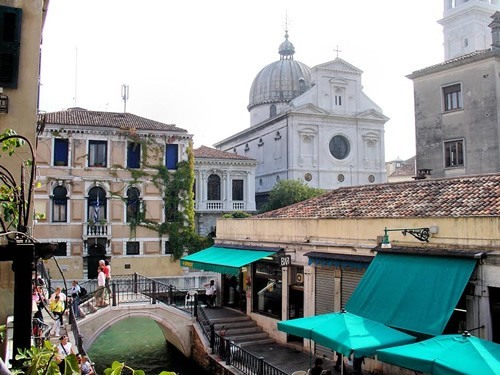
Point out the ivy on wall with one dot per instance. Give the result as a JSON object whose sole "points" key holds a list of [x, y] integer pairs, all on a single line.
{"points": [[176, 189]]}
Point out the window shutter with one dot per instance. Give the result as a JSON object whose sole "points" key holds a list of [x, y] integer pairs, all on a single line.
{"points": [[61, 152], [10, 42]]}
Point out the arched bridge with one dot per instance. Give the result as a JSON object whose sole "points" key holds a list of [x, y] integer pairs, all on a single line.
{"points": [[175, 324]]}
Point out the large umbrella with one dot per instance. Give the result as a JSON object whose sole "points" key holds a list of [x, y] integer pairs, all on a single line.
{"points": [[447, 355], [346, 333]]}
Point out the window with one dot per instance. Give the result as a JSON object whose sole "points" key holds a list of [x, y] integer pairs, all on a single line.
{"points": [[133, 248], [272, 111], [133, 155], [237, 190], [96, 205], [168, 249], [338, 100], [171, 156], [339, 147], [61, 152], [452, 97], [213, 188], [61, 250], [133, 204], [59, 204], [454, 154], [10, 42], [98, 153], [171, 207]]}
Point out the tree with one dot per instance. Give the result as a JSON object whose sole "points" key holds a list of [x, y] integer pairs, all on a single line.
{"points": [[287, 192]]}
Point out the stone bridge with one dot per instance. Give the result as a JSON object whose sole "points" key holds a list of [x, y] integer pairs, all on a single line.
{"points": [[175, 324]]}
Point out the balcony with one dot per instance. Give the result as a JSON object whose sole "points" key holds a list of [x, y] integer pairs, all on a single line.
{"points": [[220, 206], [96, 230]]}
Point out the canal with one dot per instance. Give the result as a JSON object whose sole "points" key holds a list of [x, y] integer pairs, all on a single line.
{"points": [[139, 342]]}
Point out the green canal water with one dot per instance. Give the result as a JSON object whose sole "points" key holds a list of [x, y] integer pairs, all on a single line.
{"points": [[139, 343]]}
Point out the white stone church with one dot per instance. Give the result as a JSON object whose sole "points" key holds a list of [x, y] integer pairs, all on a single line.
{"points": [[313, 124]]}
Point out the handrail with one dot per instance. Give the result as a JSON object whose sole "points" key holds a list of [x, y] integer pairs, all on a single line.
{"points": [[137, 288]]}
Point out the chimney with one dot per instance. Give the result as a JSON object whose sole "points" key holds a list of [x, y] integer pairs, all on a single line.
{"points": [[495, 31]]}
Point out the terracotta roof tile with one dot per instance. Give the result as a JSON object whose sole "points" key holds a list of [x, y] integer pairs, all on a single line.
{"points": [[452, 197], [204, 152], [80, 117]]}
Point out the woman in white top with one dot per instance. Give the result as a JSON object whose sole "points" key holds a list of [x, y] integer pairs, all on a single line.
{"points": [[64, 348]]}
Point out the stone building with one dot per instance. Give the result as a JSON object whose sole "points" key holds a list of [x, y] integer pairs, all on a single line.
{"points": [[456, 106], [224, 183], [97, 172], [313, 124], [22, 25], [433, 242]]}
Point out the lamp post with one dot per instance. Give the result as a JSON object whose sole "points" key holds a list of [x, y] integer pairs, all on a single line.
{"points": [[421, 234]]}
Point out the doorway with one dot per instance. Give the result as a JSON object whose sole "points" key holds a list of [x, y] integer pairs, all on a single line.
{"points": [[96, 252]]}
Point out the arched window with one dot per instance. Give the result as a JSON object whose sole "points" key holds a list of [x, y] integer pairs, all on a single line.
{"points": [[213, 188], [133, 204], [96, 205], [60, 204], [272, 111]]}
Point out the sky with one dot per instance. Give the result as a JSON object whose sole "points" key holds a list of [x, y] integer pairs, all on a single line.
{"points": [[192, 63]]}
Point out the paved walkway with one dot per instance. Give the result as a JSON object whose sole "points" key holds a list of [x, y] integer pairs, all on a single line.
{"points": [[288, 358]]}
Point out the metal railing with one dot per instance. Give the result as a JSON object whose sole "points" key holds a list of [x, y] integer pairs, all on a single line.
{"points": [[137, 288]]}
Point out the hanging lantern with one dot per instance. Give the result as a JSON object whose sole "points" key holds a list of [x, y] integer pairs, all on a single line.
{"points": [[4, 104]]}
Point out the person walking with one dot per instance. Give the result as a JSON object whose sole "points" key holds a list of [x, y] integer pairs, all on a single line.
{"points": [[57, 308], [75, 299], [64, 348], [100, 295]]}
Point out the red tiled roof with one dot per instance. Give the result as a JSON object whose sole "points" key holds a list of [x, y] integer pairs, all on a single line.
{"points": [[83, 117], [204, 152], [407, 168], [448, 197]]}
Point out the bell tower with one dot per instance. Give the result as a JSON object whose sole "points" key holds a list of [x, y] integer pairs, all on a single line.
{"points": [[465, 26]]}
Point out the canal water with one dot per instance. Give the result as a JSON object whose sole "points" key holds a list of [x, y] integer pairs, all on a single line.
{"points": [[139, 342]]}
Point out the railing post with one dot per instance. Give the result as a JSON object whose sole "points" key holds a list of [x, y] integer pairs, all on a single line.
{"points": [[135, 282], [260, 366], [154, 292], [113, 294], [228, 351], [212, 337], [170, 295], [195, 307]]}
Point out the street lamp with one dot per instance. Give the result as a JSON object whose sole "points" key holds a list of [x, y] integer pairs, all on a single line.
{"points": [[421, 234]]}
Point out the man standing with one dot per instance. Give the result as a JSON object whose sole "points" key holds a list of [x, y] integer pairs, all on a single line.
{"points": [[75, 299], [211, 293]]}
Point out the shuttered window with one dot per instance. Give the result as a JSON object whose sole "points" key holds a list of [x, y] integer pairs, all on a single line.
{"points": [[10, 43], [171, 156]]}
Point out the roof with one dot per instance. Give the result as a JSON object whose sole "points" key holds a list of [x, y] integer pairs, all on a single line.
{"points": [[407, 168], [204, 152], [448, 197], [81, 117], [457, 61]]}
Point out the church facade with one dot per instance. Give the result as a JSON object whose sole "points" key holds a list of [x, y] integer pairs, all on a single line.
{"points": [[313, 124]]}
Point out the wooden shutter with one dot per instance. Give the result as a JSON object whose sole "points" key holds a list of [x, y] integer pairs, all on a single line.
{"points": [[10, 43]]}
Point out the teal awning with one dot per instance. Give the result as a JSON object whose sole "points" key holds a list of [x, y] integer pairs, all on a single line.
{"points": [[227, 260], [416, 293]]}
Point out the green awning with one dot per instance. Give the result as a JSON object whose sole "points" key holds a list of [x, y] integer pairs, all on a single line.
{"points": [[227, 260], [416, 293]]}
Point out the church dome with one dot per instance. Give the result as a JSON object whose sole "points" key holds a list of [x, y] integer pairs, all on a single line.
{"points": [[282, 80]]}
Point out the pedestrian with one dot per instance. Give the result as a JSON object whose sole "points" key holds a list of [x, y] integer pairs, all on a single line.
{"points": [[100, 295], [58, 292], [317, 369], [64, 348], [75, 299], [57, 309], [210, 293], [104, 264], [85, 365]]}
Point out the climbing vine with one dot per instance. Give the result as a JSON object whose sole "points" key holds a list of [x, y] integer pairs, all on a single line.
{"points": [[178, 203]]}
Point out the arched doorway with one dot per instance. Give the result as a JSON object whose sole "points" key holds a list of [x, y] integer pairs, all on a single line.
{"points": [[96, 252]]}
